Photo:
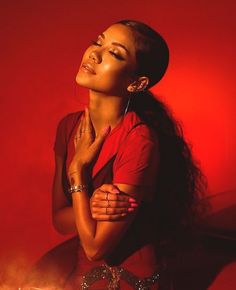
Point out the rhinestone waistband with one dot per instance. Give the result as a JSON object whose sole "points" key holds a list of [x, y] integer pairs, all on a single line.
{"points": [[114, 275]]}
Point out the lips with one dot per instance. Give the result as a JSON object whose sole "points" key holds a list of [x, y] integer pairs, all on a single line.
{"points": [[88, 68]]}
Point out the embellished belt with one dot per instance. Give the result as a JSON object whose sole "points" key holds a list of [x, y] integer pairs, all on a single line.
{"points": [[114, 275]]}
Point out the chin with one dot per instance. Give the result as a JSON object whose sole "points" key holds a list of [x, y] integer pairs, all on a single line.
{"points": [[82, 81]]}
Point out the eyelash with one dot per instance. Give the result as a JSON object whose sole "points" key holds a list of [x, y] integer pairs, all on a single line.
{"points": [[95, 43], [117, 56]]}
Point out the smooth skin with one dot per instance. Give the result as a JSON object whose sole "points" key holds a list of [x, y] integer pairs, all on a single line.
{"points": [[108, 71]]}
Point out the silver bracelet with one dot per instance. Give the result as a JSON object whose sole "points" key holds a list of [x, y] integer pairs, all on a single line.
{"points": [[77, 188]]}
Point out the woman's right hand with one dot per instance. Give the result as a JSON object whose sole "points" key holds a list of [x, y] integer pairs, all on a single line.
{"points": [[108, 203], [87, 145]]}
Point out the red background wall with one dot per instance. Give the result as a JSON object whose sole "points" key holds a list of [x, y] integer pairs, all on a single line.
{"points": [[41, 46]]}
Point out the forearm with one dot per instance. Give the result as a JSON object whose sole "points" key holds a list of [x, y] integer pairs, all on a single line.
{"points": [[97, 238], [64, 220], [85, 224]]}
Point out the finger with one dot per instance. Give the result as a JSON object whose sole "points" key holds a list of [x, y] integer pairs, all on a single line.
{"points": [[120, 197], [78, 133], [100, 195], [104, 217], [111, 214], [82, 125], [95, 147], [111, 188], [110, 211], [113, 204], [88, 127], [115, 211]]}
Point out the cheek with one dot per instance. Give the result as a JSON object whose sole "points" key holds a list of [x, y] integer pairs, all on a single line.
{"points": [[115, 72], [114, 81]]}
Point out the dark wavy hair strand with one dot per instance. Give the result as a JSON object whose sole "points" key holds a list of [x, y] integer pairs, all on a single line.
{"points": [[179, 202]]}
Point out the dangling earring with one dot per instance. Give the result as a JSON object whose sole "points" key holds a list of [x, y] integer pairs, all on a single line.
{"points": [[127, 106]]}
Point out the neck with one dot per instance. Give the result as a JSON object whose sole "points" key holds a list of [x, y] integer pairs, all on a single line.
{"points": [[106, 110]]}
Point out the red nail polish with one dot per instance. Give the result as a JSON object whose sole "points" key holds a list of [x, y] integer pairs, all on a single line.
{"points": [[130, 209], [132, 200], [115, 190], [134, 204], [106, 130]]}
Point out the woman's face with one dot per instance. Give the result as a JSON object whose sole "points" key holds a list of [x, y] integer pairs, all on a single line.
{"points": [[109, 63]]}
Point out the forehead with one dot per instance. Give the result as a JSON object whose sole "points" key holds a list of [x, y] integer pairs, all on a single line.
{"points": [[121, 34]]}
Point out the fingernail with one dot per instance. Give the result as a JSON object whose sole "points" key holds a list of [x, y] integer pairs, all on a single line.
{"points": [[106, 130], [124, 214], [115, 190], [130, 209], [132, 200], [134, 204]]}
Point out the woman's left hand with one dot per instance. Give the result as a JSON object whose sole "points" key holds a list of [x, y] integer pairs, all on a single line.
{"points": [[87, 145], [108, 203]]}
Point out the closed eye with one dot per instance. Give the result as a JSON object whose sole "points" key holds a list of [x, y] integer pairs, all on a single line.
{"points": [[117, 56], [114, 54]]}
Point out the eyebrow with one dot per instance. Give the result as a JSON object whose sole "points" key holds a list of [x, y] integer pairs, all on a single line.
{"points": [[116, 43]]}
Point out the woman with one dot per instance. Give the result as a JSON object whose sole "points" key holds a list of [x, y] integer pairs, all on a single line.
{"points": [[125, 180]]}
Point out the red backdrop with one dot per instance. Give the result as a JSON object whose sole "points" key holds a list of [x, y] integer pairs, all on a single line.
{"points": [[41, 46]]}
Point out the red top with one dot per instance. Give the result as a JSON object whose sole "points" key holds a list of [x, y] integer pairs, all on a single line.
{"points": [[132, 144], [129, 155]]}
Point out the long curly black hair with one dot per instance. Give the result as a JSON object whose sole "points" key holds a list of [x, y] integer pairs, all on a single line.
{"points": [[179, 199]]}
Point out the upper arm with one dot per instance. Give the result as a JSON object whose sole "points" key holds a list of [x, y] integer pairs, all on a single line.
{"points": [[62, 216], [137, 162], [63, 132], [60, 148], [135, 172], [59, 199]]}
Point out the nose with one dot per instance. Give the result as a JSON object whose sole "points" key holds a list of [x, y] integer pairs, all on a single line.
{"points": [[95, 56]]}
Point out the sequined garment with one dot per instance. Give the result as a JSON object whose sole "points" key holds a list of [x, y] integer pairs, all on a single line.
{"points": [[114, 275]]}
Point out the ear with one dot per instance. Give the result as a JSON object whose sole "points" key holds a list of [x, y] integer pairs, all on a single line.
{"points": [[138, 85]]}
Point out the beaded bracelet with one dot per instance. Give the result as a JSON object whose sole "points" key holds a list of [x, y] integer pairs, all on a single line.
{"points": [[77, 188]]}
